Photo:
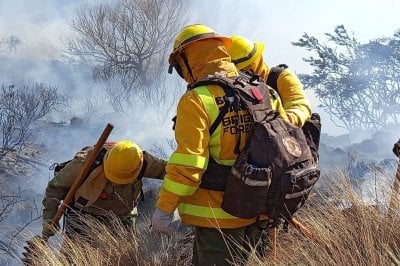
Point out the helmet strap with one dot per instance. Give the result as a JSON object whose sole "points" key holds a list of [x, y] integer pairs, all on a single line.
{"points": [[185, 60]]}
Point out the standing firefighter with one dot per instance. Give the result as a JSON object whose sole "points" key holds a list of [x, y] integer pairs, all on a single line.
{"points": [[289, 91], [198, 52], [112, 187]]}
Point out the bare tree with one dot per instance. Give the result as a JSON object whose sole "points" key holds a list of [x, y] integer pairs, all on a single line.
{"points": [[160, 151], [9, 44], [127, 43], [19, 108], [10, 238], [7, 203]]}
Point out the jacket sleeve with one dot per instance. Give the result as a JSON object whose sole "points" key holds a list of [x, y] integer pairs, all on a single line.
{"points": [[295, 102], [58, 187], [155, 166], [190, 159]]}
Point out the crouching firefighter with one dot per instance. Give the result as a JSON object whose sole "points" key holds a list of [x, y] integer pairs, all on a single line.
{"points": [[112, 188]]}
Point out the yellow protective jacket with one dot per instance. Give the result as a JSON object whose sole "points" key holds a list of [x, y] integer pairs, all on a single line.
{"points": [[290, 89], [104, 196], [196, 111]]}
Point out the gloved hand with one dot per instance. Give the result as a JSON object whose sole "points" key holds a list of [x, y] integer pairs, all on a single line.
{"points": [[49, 229], [162, 222]]}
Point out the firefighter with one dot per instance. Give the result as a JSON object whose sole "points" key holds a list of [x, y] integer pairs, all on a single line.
{"points": [[198, 51], [112, 188], [290, 96]]}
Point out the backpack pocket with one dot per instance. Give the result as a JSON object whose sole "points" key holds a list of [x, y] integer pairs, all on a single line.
{"points": [[246, 189], [291, 191]]}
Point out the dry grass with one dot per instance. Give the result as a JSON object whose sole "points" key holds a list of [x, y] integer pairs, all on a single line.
{"points": [[349, 231], [117, 246]]}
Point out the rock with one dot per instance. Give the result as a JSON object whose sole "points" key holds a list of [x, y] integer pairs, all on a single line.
{"points": [[76, 122]]}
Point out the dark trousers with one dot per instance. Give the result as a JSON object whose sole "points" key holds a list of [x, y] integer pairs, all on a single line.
{"points": [[228, 246]]}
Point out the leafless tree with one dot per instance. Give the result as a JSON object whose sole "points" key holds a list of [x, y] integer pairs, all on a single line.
{"points": [[160, 151], [94, 105], [126, 43], [7, 204], [10, 238], [19, 108], [9, 44]]}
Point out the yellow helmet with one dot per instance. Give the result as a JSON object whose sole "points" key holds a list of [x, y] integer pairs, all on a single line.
{"points": [[243, 51], [198, 32], [189, 34], [123, 162]]}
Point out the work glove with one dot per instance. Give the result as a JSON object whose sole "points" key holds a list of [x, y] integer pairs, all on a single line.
{"points": [[162, 222], [49, 229]]}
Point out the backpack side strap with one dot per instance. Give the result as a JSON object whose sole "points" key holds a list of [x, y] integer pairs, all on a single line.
{"points": [[273, 76]]}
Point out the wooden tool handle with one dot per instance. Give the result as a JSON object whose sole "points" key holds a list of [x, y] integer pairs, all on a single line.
{"points": [[79, 179]]}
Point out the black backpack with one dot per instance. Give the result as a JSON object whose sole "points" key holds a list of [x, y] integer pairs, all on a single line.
{"points": [[277, 168], [57, 167]]}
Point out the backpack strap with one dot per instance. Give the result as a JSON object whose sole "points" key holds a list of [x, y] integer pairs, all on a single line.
{"points": [[140, 177], [144, 166], [226, 85], [222, 112], [273, 76], [97, 162]]}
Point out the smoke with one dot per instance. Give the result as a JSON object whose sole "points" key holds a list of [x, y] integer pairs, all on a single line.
{"points": [[41, 25], [277, 24]]}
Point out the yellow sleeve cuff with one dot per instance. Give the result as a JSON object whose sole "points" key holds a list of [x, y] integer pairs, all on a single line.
{"points": [[167, 201]]}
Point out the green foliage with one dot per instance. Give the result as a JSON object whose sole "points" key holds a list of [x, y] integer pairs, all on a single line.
{"points": [[358, 84]]}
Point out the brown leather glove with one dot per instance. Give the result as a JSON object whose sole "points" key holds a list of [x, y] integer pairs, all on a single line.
{"points": [[49, 229]]}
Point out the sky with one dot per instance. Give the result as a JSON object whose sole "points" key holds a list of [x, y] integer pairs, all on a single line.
{"points": [[41, 25]]}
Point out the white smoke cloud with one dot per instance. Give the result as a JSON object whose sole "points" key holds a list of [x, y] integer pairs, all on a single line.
{"points": [[41, 24], [278, 23]]}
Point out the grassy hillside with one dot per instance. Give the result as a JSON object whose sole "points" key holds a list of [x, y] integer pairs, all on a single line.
{"points": [[347, 229]]}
